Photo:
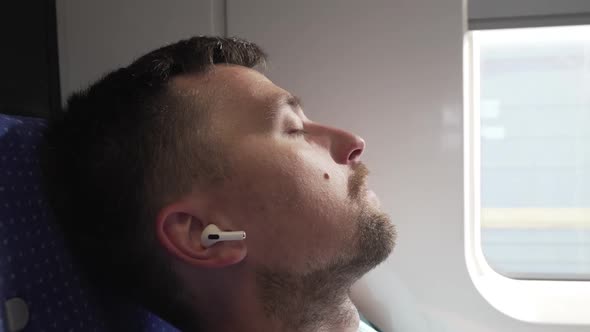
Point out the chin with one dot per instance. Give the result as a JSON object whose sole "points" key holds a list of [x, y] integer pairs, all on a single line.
{"points": [[375, 240]]}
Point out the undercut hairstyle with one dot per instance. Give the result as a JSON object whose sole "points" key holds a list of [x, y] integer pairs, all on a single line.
{"points": [[124, 148]]}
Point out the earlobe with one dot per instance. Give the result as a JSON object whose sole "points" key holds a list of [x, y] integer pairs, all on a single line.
{"points": [[181, 234]]}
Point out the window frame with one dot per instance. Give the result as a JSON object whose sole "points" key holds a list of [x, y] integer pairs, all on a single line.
{"points": [[537, 301]]}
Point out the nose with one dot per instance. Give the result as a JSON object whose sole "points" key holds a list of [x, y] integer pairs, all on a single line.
{"points": [[346, 148], [354, 149], [357, 149]]}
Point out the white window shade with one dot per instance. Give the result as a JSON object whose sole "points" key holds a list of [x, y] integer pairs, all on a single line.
{"points": [[498, 14]]}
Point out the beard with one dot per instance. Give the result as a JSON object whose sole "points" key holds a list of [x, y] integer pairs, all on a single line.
{"points": [[312, 299]]}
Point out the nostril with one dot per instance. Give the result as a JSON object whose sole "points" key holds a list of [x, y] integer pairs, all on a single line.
{"points": [[355, 155]]}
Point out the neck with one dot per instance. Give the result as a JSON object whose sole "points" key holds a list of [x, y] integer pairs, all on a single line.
{"points": [[247, 305], [344, 319]]}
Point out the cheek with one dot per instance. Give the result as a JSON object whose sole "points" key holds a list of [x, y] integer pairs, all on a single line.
{"points": [[283, 190], [292, 202], [282, 178]]}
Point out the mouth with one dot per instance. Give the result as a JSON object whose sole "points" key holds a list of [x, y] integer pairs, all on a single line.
{"points": [[372, 195]]}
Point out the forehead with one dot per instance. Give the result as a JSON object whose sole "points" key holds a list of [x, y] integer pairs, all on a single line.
{"points": [[239, 101], [231, 91]]}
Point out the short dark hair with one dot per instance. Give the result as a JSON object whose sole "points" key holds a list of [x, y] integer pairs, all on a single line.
{"points": [[122, 149]]}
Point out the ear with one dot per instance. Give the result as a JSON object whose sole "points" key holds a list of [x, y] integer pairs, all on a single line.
{"points": [[179, 229]]}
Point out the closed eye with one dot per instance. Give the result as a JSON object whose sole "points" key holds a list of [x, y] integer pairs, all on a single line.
{"points": [[297, 132]]}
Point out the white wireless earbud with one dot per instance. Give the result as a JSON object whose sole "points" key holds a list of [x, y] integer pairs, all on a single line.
{"points": [[212, 234]]}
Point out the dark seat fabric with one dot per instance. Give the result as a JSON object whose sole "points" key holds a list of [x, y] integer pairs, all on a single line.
{"points": [[34, 263]]}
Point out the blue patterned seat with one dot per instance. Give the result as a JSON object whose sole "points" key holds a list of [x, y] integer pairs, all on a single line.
{"points": [[34, 264]]}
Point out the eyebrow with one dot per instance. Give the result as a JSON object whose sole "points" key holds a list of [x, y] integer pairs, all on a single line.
{"points": [[286, 99], [293, 101]]}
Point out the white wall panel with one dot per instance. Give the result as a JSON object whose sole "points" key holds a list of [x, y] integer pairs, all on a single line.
{"points": [[391, 70], [97, 36]]}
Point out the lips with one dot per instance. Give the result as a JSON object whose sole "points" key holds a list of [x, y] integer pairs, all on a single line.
{"points": [[373, 196]]}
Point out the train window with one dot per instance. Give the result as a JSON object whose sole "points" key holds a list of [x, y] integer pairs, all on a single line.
{"points": [[528, 167], [534, 102]]}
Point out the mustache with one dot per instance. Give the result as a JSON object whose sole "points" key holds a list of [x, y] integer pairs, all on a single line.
{"points": [[357, 180]]}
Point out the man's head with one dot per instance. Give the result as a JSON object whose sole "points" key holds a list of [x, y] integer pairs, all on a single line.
{"points": [[190, 135]]}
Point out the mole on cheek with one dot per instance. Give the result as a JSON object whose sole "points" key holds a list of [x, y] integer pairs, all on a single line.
{"points": [[326, 176]]}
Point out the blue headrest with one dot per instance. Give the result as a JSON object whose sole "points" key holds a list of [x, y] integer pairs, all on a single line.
{"points": [[36, 270]]}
